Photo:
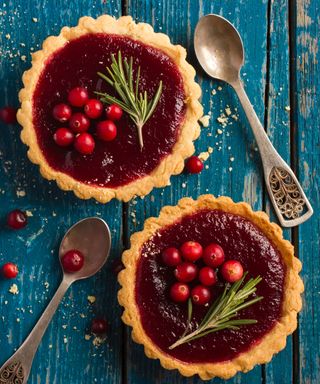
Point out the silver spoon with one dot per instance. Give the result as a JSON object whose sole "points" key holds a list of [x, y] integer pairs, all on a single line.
{"points": [[219, 49], [90, 236]]}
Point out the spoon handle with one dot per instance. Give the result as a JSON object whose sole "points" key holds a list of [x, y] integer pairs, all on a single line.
{"points": [[289, 201], [17, 368]]}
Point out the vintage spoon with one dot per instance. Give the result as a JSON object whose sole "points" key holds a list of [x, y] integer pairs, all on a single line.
{"points": [[92, 237], [220, 52]]}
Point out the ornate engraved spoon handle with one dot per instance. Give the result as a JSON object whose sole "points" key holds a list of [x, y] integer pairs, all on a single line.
{"points": [[289, 201], [16, 370]]}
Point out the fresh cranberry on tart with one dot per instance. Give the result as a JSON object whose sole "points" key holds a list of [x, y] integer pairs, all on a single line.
{"points": [[237, 309], [74, 82]]}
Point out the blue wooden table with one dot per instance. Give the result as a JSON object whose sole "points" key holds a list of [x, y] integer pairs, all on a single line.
{"points": [[281, 75]]}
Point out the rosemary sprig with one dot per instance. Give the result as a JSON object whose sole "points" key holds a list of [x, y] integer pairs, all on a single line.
{"points": [[222, 312], [133, 101]]}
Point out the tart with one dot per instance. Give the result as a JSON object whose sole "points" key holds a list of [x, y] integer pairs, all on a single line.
{"points": [[244, 235], [117, 167]]}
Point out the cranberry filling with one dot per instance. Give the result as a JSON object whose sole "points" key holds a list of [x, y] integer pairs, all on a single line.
{"points": [[120, 161], [164, 321]]}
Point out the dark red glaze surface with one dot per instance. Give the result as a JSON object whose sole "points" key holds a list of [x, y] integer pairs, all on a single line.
{"points": [[120, 161], [164, 321]]}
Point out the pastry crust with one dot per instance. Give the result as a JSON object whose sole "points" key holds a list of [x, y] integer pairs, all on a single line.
{"points": [[270, 344], [171, 165]]}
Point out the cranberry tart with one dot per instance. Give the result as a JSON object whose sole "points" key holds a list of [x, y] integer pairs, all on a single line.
{"points": [[109, 108], [210, 287]]}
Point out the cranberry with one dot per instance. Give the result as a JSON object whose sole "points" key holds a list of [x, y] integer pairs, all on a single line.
{"points": [[191, 250], [117, 266], [213, 255], [63, 137], [79, 122], [207, 276], [179, 292], [72, 261], [232, 271], [106, 130], [114, 112], [186, 272], [62, 112], [99, 326], [194, 164], [84, 143], [78, 96], [17, 219], [171, 256], [200, 295], [8, 115], [9, 270], [93, 108]]}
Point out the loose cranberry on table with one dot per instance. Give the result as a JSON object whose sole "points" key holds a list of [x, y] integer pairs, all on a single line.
{"points": [[63, 137], [17, 219], [9, 270], [84, 143], [78, 96], [186, 272], [79, 122], [194, 164], [8, 115], [191, 250], [93, 108], [171, 256], [72, 261], [106, 130], [232, 271], [99, 326], [207, 276], [62, 112], [114, 112], [213, 255], [200, 295], [179, 292]]}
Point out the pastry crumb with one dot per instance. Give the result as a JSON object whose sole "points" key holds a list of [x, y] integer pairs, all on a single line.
{"points": [[14, 289], [204, 156], [87, 337], [29, 213], [91, 299], [205, 120], [287, 108], [20, 193], [35, 19]]}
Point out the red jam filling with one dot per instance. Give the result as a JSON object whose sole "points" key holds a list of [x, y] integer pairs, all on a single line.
{"points": [[164, 321], [121, 161]]}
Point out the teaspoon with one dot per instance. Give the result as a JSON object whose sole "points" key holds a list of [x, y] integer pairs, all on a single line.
{"points": [[92, 238], [220, 52]]}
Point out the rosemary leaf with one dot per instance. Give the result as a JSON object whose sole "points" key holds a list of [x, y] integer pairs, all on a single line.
{"points": [[134, 102], [221, 314]]}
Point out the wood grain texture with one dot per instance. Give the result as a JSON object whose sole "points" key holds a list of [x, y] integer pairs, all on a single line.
{"points": [[240, 178], [35, 248], [233, 169]]}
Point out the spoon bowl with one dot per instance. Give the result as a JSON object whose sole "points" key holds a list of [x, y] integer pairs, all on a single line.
{"points": [[219, 48], [90, 236]]}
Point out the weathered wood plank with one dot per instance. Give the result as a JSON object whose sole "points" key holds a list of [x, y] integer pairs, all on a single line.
{"points": [[307, 138], [64, 352], [278, 128], [243, 181]]}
